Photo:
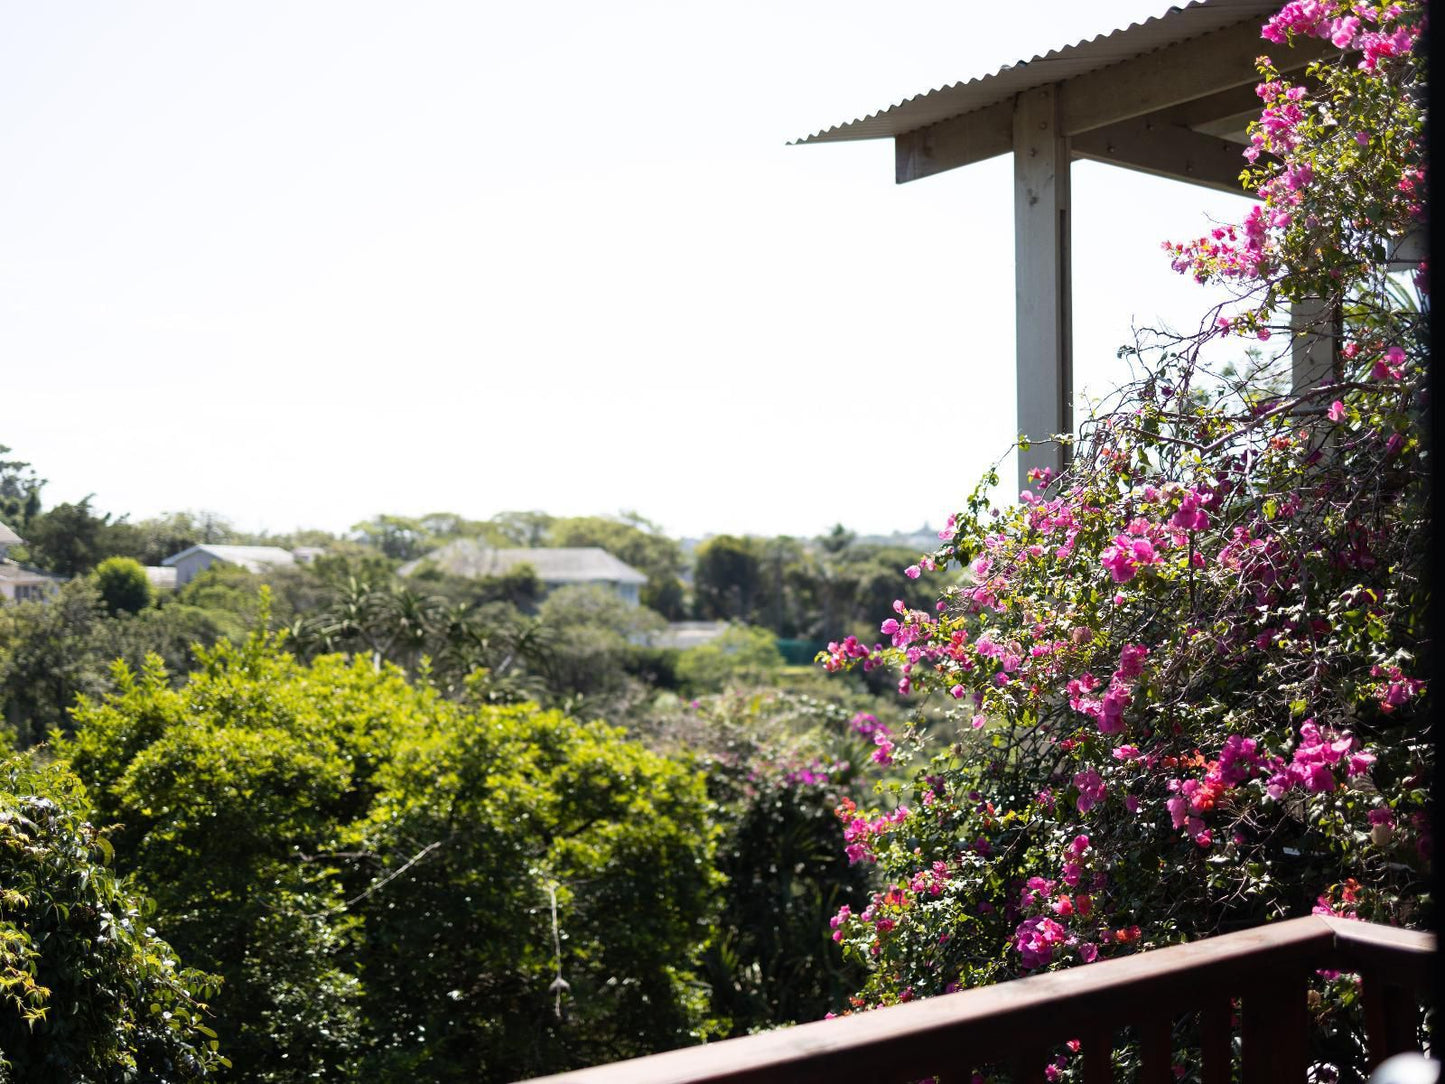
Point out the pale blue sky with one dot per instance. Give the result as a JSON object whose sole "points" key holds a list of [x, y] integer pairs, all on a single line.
{"points": [[302, 263]]}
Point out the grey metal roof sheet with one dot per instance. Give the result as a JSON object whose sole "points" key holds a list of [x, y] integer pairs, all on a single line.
{"points": [[583, 564], [9, 537], [1178, 24], [251, 558]]}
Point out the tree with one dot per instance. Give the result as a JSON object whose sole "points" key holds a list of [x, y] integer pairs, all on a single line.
{"points": [[307, 825], [19, 492], [232, 789], [727, 576], [1186, 672], [71, 539], [399, 538], [48, 657], [554, 906], [115, 1003], [590, 635], [123, 585], [527, 530]]}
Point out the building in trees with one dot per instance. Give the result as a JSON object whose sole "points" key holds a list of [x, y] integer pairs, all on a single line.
{"points": [[555, 566], [18, 583], [190, 563]]}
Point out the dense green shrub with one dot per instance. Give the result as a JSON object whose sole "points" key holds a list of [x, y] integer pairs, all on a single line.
{"points": [[370, 867], [89, 993], [123, 585]]}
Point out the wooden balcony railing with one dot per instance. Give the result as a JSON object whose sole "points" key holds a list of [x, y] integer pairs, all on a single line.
{"points": [[1019, 1024]]}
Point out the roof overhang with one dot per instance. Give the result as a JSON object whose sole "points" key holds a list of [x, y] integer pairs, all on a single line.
{"points": [[1169, 96]]}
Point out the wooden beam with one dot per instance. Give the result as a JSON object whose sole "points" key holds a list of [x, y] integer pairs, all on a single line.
{"points": [[1165, 150], [959, 141], [1204, 75], [1228, 105], [1043, 311], [1174, 75]]}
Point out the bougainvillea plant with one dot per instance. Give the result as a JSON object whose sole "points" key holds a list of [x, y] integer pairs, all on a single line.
{"points": [[1186, 671]]}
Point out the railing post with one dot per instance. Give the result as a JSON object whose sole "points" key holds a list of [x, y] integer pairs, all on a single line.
{"points": [[1275, 1030], [1098, 1049], [1390, 1014], [1215, 1048], [1155, 1037]]}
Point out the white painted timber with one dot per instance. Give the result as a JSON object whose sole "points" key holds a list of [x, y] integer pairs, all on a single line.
{"points": [[1313, 346], [1042, 304], [1165, 150], [960, 141]]}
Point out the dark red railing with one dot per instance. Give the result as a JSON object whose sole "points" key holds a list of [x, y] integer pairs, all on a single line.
{"points": [[1021, 1023]]}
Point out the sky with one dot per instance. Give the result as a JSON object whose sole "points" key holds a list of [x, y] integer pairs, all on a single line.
{"points": [[300, 264]]}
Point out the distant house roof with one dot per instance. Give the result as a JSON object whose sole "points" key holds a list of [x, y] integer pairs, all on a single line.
{"points": [[11, 572], [9, 537], [251, 558], [591, 564]]}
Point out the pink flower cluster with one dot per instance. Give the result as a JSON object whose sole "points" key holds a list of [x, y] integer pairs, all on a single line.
{"points": [[869, 726], [1344, 26], [1396, 690], [1315, 761], [860, 832], [1036, 938], [1107, 711], [890, 906], [1039, 937], [841, 653], [1136, 548]]}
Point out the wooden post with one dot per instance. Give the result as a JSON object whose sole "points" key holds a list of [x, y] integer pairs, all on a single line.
{"points": [[1042, 311]]}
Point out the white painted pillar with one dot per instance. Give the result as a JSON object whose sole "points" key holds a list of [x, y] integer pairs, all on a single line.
{"points": [[1042, 311], [1314, 339]]}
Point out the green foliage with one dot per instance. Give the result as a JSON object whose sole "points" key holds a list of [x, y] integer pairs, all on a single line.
{"points": [[399, 538], [88, 991], [71, 539], [727, 577], [48, 656], [590, 634], [19, 492], [123, 585], [777, 765], [229, 788], [740, 655], [496, 811], [367, 863]]}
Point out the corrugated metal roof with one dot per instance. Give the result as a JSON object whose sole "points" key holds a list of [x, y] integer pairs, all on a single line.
{"points": [[1175, 26]]}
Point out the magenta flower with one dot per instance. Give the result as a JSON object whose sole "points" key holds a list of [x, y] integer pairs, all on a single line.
{"points": [[1035, 939], [1091, 789]]}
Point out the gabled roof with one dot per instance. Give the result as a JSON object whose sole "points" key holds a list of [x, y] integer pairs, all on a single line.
{"points": [[251, 558], [591, 564], [9, 537], [1177, 25]]}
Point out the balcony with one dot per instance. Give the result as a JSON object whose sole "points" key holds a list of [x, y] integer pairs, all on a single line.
{"points": [[1020, 1024]]}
